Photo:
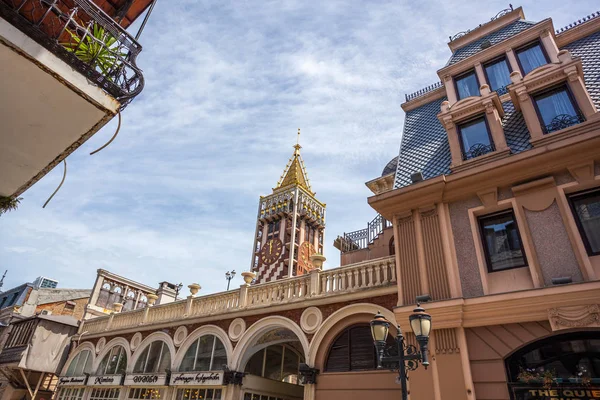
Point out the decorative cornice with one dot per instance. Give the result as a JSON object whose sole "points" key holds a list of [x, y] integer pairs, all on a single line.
{"points": [[583, 316]]}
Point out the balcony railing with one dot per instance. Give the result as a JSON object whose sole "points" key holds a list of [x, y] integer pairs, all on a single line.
{"points": [[478, 149], [83, 36], [361, 238], [563, 121], [316, 285]]}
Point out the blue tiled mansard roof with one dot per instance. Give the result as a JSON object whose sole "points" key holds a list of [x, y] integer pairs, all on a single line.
{"points": [[494, 37], [425, 143]]}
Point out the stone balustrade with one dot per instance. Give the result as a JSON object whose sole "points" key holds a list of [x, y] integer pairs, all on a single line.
{"points": [[318, 284]]}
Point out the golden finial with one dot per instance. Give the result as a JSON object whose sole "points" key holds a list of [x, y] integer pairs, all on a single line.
{"points": [[297, 146]]}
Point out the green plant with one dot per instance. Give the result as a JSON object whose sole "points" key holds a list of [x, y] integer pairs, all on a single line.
{"points": [[98, 48], [9, 204]]}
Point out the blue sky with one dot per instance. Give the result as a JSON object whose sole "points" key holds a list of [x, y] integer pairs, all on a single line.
{"points": [[228, 84]]}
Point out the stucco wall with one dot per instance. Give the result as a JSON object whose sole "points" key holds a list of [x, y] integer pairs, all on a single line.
{"points": [[553, 247], [470, 278]]}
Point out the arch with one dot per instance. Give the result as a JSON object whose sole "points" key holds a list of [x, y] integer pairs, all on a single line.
{"points": [[260, 327], [83, 346], [202, 331], [340, 315], [146, 342], [392, 246], [108, 347]]}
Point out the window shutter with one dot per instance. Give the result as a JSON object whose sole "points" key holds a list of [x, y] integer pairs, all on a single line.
{"points": [[362, 355], [338, 359]]}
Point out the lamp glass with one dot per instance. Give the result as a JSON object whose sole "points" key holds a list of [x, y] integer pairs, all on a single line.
{"points": [[379, 328], [415, 324], [425, 326]]}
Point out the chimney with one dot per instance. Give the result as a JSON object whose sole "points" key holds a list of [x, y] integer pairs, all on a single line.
{"points": [[166, 292]]}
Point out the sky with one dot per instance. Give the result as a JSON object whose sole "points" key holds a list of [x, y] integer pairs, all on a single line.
{"points": [[227, 84]]}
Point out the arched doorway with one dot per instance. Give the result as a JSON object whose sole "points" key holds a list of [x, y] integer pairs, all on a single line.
{"points": [[270, 355], [561, 366]]}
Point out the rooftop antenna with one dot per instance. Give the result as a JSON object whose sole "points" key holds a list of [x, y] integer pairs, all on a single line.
{"points": [[2, 280]]}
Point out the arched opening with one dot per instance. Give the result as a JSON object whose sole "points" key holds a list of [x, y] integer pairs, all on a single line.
{"points": [[153, 361], [74, 377], [114, 362], [156, 357], [80, 364], [271, 365], [201, 370], [568, 364], [392, 246]]}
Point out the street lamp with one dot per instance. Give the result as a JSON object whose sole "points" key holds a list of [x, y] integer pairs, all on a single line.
{"points": [[402, 357], [229, 276]]}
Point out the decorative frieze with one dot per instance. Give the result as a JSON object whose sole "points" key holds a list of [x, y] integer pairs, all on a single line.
{"points": [[583, 316]]}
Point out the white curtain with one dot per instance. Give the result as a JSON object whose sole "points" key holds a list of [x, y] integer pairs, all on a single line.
{"points": [[531, 59], [498, 74], [558, 103]]}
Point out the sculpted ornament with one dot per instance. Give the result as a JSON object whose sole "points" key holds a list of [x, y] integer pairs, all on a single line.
{"points": [[574, 317]]}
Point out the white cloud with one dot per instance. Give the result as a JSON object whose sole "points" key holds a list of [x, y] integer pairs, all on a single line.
{"points": [[174, 197]]}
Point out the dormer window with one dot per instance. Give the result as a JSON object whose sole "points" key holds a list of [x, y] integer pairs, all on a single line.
{"points": [[497, 73], [556, 109], [530, 57], [475, 138], [467, 85]]}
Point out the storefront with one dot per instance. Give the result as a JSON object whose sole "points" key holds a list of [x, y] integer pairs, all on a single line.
{"points": [[71, 387], [146, 386], [105, 387], [565, 367], [206, 385]]}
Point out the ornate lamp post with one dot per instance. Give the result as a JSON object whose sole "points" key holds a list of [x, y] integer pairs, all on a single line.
{"points": [[229, 276], [402, 357]]}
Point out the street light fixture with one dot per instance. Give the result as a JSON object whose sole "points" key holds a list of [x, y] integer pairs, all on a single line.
{"points": [[229, 276], [402, 357]]}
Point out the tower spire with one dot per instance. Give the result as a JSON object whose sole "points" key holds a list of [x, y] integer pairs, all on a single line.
{"points": [[295, 171]]}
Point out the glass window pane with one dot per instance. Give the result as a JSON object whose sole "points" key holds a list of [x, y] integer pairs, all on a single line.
{"points": [[273, 363], [531, 58], [474, 134], [219, 356], [187, 364], [290, 365], [73, 365], [587, 210], [154, 356], [498, 74], [467, 86], [502, 242], [82, 362], [140, 364], [553, 104], [165, 359], [255, 364], [205, 348]]}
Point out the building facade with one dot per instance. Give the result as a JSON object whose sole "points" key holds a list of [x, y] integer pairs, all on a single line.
{"points": [[495, 207]]}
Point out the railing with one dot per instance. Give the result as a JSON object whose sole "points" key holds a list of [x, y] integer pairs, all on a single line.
{"points": [[500, 14], [423, 91], [318, 284], [502, 90], [478, 149], [579, 22], [282, 291], [361, 239], [563, 121], [82, 35]]}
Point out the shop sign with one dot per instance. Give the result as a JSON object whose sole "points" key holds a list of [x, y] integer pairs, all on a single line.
{"points": [[210, 378], [71, 380], [105, 380], [146, 380], [571, 393]]}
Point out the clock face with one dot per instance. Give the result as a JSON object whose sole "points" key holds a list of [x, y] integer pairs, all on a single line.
{"points": [[304, 263], [271, 251]]}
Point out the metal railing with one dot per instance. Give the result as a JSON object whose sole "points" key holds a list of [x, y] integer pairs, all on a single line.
{"points": [[478, 149], [563, 121], [579, 22], [495, 17], [425, 90], [83, 36], [362, 238]]}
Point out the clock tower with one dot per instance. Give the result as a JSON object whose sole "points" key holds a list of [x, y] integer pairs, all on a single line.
{"points": [[290, 225]]}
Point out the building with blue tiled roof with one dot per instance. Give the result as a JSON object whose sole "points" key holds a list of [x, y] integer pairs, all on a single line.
{"points": [[493, 212]]}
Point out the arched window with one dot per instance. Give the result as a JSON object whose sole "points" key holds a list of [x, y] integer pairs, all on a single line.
{"points": [[353, 350], [81, 363], [207, 353], [392, 247], [572, 357], [114, 362], [155, 358], [278, 362]]}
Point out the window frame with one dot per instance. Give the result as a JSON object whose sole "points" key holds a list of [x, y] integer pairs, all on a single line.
{"points": [[536, 42], [461, 76], [583, 194], [493, 61], [460, 138], [554, 88], [488, 260]]}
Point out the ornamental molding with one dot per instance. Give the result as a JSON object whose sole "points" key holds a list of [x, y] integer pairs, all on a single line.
{"points": [[582, 316], [311, 320], [237, 329], [180, 335], [135, 341], [100, 345]]}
